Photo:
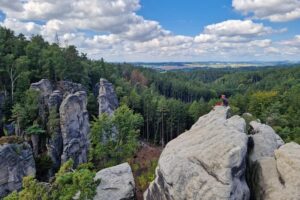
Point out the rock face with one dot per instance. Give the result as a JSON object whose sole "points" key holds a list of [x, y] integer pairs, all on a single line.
{"points": [[16, 162], [107, 98], [44, 86], [65, 105], [74, 128], [68, 87], [55, 143], [117, 183], [206, 162], [273, 167], [2, 99]]}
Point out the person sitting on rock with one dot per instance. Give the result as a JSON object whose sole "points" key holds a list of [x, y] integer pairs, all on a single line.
{"points": [[224, 100]]}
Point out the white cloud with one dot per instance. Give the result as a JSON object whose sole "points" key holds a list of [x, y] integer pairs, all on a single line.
{"points": [[273, 10], [27, 28], [112, 29]]}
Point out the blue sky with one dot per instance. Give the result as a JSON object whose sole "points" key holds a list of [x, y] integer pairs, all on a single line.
{"points": [[187, 17], [167, 30]]}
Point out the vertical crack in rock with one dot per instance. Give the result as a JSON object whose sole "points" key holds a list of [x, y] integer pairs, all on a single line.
{"points": [[74, 124]]}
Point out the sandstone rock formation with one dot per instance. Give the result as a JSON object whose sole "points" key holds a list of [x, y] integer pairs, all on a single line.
{"points": [[55, 142], [273, 174], [68, 87], [117, 183], [2, 99], [206, 162], [74, 128], [16, 162], [65, 104], [107, 98]]}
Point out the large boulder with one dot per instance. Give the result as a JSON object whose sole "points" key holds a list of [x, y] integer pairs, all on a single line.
{"points": [[16, 161], [74, 124], [116, 183], [265, 141], [107, 98], [277, 177], [288, 166], [207, 162]]}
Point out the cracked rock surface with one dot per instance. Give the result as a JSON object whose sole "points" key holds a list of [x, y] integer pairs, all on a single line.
{"points": [[117, 183], [206, 162]]}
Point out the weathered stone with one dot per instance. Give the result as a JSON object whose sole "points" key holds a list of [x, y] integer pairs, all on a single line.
{"points": [[265, 141], [107, 98], [44, 86], [68, 87], [2, 99], [16, 161], [10, 128], [74, 124], [55, 142], [288, 166], [277, 178], [117, 183], [206, 162]]}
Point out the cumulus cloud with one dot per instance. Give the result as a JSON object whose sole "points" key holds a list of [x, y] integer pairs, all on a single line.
{"points": [[273, 10], [112, 29]]}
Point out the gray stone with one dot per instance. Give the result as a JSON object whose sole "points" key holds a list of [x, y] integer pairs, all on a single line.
{"points": [[116, 183], [10, 128], [68, 87], [2, 100], [265, 141], [44, 86], [16, 161], [74, 124], [55, 142], [288, 166], [107, 98], [206, 162], [277, 177]]}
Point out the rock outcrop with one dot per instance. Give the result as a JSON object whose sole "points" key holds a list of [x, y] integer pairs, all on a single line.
{"points": [[107, 98], [206, 162], [74, 125], [55, 142], [117, 183], [273, 167], [68, 87], [64, 104], [16, 162], [2, 99]]}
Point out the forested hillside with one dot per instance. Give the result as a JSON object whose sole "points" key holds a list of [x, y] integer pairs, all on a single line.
{"points": [[169, 102]]}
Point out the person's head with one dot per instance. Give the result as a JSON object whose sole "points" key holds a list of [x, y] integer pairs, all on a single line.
{"points": [[223, 96]]}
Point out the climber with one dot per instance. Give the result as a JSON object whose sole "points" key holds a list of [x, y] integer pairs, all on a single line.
{"points": [[224, 100]]}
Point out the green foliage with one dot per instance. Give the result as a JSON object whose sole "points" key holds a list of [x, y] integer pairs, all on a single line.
{"points": [[146, 178], [33, 190], [53, 124], [169, 102], [12, 196], [68, 182], [34, 129], [43, 163], [26, 112], [114, 139], [65, 186]]}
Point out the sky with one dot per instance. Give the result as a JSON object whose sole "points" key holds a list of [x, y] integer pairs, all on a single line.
{"points": [[163, 30]]}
